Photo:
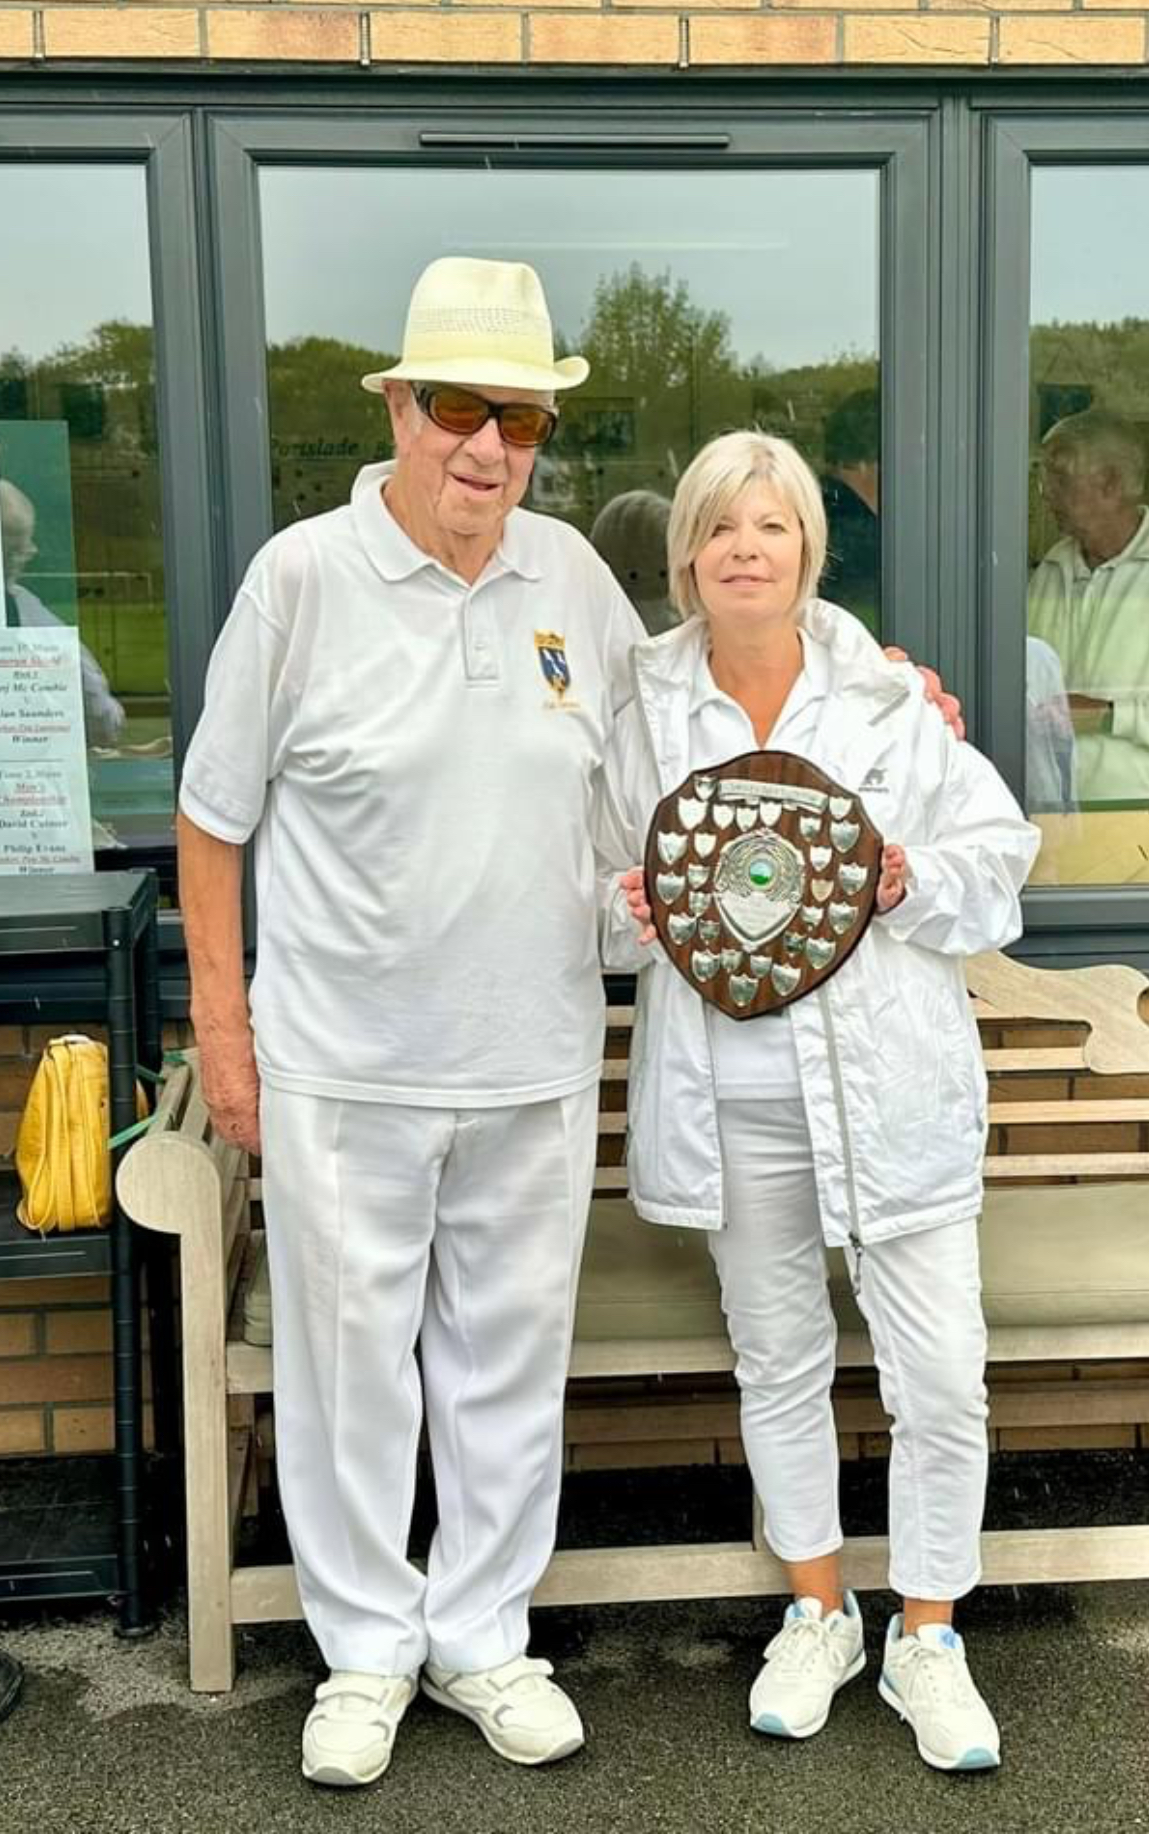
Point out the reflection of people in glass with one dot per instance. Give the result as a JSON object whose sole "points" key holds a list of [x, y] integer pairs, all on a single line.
{"points": [[1089, 597], [630, 534], [103, 714], [854, 1117], [1050, 746], [851, 441]]}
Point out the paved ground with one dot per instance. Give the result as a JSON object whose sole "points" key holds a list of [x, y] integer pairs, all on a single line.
{"points": [[108, 1741]]}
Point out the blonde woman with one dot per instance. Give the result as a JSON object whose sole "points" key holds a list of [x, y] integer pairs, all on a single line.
{"points": [[855, 1117]]}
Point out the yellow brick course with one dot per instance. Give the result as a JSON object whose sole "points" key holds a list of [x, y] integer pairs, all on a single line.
{"points": [[926, 40], [848, 6], [119, 32], [559, 39], [408, 37], [703, 6], [594, 6], [619, 33], [1053, 40], [283, 32], [15, 41], [763, 41], [1005, 6]]}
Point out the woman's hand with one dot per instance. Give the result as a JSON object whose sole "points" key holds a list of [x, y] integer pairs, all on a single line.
{"points": [[633, 884], [892, 883]]}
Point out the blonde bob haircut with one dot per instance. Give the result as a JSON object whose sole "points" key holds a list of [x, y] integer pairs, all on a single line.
{"points": [[713, 482]]}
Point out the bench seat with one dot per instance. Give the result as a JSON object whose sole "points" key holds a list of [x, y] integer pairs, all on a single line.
{"points": [[1060, 1258]]}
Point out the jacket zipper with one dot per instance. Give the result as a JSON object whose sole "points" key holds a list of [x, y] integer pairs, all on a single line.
{"points": [[854, 1228], [648, 730]]}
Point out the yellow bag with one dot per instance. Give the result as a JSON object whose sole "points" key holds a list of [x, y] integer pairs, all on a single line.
{"points": [[62, 1153]]}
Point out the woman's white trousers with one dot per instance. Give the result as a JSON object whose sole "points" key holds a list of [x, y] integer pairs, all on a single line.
{"points": [[465, 1226], [921, 1297]]}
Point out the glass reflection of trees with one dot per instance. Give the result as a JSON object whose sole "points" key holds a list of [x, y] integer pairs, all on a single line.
{"points": [[664, 378], [103, 390], [101, 567]]}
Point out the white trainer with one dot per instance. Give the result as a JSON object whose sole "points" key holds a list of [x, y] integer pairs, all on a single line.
{"points": [[521, 1714], [926, 1679], [813, 1655], [349, 1734]]}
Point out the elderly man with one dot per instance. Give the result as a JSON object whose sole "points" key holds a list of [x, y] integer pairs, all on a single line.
{"points": [[1089, 597], [408, 708]]}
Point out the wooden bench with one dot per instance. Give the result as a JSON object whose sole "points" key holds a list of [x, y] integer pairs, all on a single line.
{"points": [[1065, 1250]]}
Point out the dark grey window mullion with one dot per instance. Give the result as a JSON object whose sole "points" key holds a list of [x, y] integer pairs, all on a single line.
{"points": [[245, 482], [906, 355], [953, 435], [1005, 456], [185, 476]]}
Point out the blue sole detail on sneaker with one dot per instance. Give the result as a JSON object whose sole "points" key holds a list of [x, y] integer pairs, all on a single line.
{"points": [[978, 1758], [769, 1722]]}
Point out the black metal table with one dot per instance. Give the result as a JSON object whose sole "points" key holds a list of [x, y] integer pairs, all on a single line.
{"points": [[84, 947]]}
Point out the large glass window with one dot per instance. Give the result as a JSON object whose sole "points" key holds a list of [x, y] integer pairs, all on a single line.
{"points": [[703, 301], [79, 476], [1088, 600]]}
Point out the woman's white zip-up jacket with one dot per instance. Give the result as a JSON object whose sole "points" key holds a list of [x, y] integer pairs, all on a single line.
{"points": [[889, 1057]]}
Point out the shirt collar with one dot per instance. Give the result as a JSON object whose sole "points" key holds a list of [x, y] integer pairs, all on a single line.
{"points": [[397, 557], [1136, 548], [811, 685]]}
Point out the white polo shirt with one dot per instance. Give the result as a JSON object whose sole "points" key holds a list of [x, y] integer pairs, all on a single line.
{"points": [[415, 757], [754, 1057], [1097, 620]]}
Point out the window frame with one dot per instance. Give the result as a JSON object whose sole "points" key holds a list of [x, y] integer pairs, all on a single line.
{"points": [[162, 143], [1095, 923], [638, 131]]}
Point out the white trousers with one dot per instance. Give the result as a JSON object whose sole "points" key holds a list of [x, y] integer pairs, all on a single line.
{"points": [[465, 1226], [921, 1297]]}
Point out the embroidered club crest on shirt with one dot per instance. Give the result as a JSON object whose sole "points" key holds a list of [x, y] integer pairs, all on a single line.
{"points": [[552, 655]]}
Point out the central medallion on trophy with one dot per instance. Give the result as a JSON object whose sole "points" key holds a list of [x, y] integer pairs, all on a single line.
{"points": [[758, 886], [762, 874]]}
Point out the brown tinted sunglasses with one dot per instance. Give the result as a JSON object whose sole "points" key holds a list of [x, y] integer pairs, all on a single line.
{"points": [[458, 410]]}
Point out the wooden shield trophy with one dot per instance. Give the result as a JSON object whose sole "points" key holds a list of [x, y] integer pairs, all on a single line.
{"points": [[761, 875]]}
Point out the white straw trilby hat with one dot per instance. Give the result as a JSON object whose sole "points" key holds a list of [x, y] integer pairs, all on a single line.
{"points": [[480, 321]]}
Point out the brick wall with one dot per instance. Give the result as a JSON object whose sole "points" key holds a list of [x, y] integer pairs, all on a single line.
{"points": [[647, 33]]}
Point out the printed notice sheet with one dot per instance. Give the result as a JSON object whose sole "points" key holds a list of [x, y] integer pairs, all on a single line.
{"points": [[44, 817]]}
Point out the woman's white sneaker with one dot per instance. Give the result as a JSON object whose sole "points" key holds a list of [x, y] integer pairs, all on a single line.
{"points": [[521, 1714], [349, 1734], [926, 1679], [814, 1654]]}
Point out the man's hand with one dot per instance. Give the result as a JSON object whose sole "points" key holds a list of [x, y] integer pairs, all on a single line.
{"points": [[1089, 714], [633, 884], [231, 1087], [892, 882], [948, 705]]}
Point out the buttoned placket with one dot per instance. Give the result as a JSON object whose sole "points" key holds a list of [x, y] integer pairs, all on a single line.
{"points": [[480, 636]]}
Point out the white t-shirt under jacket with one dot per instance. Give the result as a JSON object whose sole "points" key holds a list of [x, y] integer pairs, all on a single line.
{"points": [[415, 756], [754, 1057]]}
